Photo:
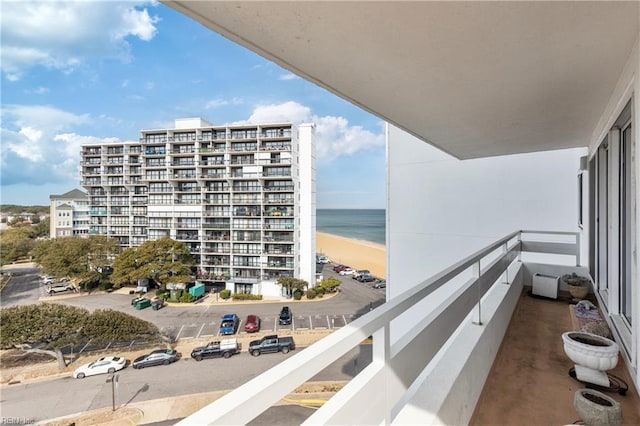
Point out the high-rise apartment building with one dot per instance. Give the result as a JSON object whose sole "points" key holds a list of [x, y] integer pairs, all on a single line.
{"points": [[242, 198], [69, 214]]}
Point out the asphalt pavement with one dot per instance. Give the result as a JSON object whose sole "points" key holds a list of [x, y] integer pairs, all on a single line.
{"points": [[63, 396]]}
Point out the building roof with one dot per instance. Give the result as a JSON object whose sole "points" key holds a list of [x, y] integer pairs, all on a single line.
{"points": [[74, 194]]}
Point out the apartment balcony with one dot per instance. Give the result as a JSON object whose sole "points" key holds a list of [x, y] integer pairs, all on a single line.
{"points": [[433, 371], [279, 188], [220, 175]]}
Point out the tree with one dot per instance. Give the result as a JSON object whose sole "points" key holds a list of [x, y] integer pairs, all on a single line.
{"points": [[164, 260], [47, 327], [16, 243], [76, 257], [292, 284], [42, 229], [51, 326], [125, 268], [19, 221], [330, 284]]}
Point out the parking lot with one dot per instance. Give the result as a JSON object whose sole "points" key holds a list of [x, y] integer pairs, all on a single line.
{"points": [[203, 320], [268, 324]]}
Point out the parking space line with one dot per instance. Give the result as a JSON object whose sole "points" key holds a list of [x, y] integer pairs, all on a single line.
{"points": [[344, 319], [275, 324], [179, 332], [310, 323], [293, 322], [200, 331], [328, 323]]}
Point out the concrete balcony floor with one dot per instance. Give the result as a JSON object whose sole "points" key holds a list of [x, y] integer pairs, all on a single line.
{"points": [[529, 382]]}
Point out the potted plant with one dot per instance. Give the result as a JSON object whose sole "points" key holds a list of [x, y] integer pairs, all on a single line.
{"points": [[577, 284]]}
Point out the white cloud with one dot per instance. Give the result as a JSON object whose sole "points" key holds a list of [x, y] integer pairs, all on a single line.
{"points": [[289, 76], [288, 111], [219, 102], [334, 135], [35, 148], [62, 35], [215, 103], [39, 90]]}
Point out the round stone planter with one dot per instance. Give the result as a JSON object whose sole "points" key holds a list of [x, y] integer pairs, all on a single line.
{"points": [[578, 291], [596, 408]]}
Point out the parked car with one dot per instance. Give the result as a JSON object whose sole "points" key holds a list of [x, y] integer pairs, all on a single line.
{"points": [[157, 304], [285, 316], [134, 301], [322, 259], [346, 271], [360, 272], [220, 348], [106, 364], [271, 343], [338, 268], [143, 303], [157, 357], [366, 278], [229, 324], [380, 284], [59, 288], [252, 324]]}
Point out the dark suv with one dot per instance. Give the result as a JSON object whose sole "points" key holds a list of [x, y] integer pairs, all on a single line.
{"points": [[285, 316]]}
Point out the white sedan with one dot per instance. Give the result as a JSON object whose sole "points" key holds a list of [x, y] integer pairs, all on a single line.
{"points": [[107, 364], [347, 271]]}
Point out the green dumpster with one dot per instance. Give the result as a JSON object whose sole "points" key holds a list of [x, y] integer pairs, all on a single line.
{"points": [[143, 303]]}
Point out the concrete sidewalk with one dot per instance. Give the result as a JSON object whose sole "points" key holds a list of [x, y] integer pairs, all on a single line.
{"points": [[165, 409]]}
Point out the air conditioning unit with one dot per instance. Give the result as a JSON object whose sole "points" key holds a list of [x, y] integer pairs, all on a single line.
{"points": [[545, 285]]}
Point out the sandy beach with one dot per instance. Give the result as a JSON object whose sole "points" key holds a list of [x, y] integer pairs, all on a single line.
{"points": [[358, 254]]}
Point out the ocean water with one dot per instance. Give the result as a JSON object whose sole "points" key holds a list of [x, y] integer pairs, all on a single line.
{"points": [[361, 224]]}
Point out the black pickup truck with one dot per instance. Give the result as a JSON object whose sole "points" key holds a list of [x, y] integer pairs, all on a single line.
{"points": [[224, 348], [271, 344]]}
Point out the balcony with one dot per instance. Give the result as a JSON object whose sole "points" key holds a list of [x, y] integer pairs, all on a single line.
{"points": [[434, 371]]}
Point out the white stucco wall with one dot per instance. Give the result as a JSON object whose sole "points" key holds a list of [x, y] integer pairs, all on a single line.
{"points": [[441, 209], [307, 193]]}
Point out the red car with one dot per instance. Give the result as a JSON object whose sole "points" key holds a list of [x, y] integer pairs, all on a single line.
{"points": [[341, 268], [252, 325]]}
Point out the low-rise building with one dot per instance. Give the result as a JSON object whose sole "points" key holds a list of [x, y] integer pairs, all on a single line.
{"points": [[69, 214]]}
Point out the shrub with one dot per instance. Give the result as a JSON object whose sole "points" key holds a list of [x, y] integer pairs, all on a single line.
{"points": [[297, 294], [319, 291], [225, 294], [186, 297], [163, 294], [311, 294], [105, 285], [242, 296], [106, 325]]}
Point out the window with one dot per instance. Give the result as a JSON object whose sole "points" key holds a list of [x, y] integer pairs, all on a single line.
{"points": [[611, 224], [626, 140]]}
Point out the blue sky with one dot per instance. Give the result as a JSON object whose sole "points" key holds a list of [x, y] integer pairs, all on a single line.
{"points": [[86, 71]]}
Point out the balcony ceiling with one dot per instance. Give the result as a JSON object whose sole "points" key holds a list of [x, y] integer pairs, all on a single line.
{"points": [[475, 79]]}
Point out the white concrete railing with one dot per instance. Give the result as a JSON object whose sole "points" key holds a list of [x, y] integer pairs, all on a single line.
{"points": [[379, 393]]}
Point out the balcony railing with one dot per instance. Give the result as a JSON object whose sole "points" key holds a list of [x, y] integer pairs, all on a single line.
{"points": [[423, 371]]}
